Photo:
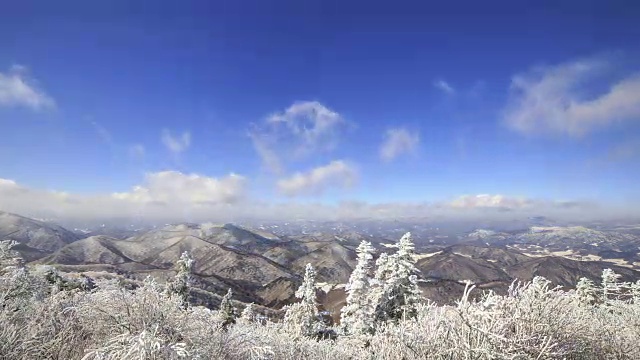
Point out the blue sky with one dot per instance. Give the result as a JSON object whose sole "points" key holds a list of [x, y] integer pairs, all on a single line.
{"points": [[469, 103]]}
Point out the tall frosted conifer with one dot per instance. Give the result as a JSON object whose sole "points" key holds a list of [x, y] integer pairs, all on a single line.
{"points": [[357, 315]]}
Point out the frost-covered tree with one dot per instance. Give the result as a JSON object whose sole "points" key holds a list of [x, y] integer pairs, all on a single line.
{"points": [[357, 315], [635, 292], [6, 249], [303, 317], [396, 294], [248, 314], [8, 256], [181, 283], [227, 311], [611, 287], [384, 268], [586, 292]]}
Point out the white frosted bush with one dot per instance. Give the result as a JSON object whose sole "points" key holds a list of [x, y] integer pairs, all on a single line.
{"points": [[142, 346], [532, 321]]}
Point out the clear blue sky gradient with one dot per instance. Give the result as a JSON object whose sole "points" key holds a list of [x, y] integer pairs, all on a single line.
{"points": [[216, 67]]}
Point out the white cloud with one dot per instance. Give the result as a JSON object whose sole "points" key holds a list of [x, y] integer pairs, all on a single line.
{"points": [[17, 89], [176, 144], [314, 182], [489, 201], [303, 129], [444, 87], [558, 99], [397, 142], [173, 187], [8, 185], [163, 195], [308, 119]]}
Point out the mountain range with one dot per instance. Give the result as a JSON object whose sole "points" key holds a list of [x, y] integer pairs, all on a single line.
{"points": [[266, 269]]}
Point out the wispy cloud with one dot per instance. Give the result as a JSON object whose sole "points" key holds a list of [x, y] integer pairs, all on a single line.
{"points": [[103, 133], [176, 144], [444, 87], [303, 129], [628, 150], [316, 181], [490, 201], [137, 151], [397, 142], [264, 146], [560, 99], [17, 89]]}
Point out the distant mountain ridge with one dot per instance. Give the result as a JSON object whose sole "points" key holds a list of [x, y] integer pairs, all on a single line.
{"points": [[259, 266], [265, 268], [37, 238]]}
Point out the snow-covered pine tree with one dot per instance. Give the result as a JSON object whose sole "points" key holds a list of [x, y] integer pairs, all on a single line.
{"points": [[586, 292], [396, 294], [227, 311], [384, 271], [611, 288], [384, 268], [181, 283], [248, 314], [357, 315], [303, 317]]}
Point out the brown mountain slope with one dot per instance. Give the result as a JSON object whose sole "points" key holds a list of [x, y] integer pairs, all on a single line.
{"points": [[495, 254], [333, 261], [567, 272], [452, 266], [217, 267], [259, 267], [92, 250], [42, 236]]}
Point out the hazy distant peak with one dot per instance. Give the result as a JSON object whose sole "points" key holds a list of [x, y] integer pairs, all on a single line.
{"points": [[481, 233]]}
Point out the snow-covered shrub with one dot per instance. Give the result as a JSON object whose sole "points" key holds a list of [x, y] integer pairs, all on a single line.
{"points": [[6, 249], [533, 320], [145, 345]]}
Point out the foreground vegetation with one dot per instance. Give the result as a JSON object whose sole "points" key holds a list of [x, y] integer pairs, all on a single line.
{"points": [[46, 315]]}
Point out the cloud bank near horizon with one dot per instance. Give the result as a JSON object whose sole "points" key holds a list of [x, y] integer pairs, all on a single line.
{"points": [[172, 196]]}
